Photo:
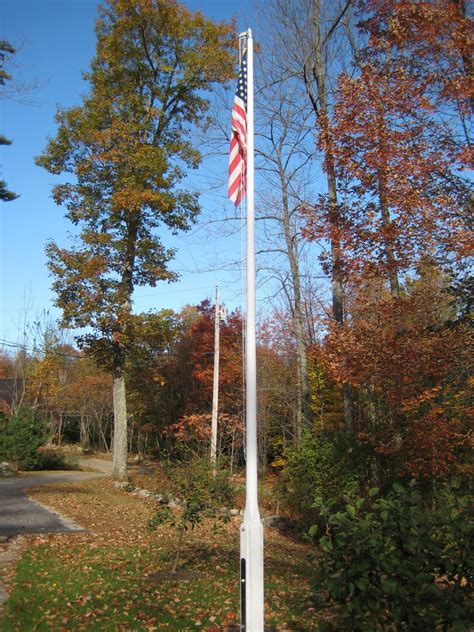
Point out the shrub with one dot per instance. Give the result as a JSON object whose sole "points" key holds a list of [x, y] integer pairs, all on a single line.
{"points": [[51, 460], [321, 473], [397, 562], [24, 434]]}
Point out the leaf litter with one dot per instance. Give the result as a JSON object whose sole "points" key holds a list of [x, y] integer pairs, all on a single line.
{"points": [[116, 576]]}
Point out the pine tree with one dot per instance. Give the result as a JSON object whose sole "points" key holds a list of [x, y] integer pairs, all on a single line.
{"points": [[5, 49]]}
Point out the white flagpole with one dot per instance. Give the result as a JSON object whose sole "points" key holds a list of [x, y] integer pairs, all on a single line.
{"points": [[251, 530]]}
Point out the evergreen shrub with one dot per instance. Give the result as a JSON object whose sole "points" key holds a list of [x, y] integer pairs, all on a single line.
{"points": [[22, 438], [24, 433]]}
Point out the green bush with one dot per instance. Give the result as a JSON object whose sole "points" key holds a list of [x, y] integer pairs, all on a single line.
{"points": [[22, 438], [24, 433], [398, 562], [51, 460], [322, 473]]}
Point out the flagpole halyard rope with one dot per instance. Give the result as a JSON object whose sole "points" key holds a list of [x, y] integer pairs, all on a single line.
{"points": [[243, 282]]}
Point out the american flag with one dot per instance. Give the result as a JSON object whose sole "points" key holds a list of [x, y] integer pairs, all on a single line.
{"points": [[238, 142]]}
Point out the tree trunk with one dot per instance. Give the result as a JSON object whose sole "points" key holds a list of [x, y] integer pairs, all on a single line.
{"points": [[84, 431], [178, 548], [60, 429], [391, 262], [119, 472], [389, 253], [392, 265], [321, 108], [102, 439], [304, 411]]}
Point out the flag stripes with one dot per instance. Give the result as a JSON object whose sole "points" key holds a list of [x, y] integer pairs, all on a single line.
{"points": [[238, 141]]}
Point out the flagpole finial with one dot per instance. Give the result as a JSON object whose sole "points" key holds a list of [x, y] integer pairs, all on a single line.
{"points": [[246, 34], [243, 37]]}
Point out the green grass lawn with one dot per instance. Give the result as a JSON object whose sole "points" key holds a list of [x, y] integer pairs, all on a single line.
{"points": [[116, 576]]}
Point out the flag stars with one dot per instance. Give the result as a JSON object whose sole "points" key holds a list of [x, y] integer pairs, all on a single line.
{"points": [[241, 91]]}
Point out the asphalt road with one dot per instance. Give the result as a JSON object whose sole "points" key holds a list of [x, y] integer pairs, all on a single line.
{"points": [[19, 515]]}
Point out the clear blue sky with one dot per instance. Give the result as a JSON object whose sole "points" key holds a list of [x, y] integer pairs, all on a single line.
{"points": [[55, 42]]}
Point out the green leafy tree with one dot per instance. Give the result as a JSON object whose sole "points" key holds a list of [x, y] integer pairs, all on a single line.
{"points": [[127, 148], [6, 49]]}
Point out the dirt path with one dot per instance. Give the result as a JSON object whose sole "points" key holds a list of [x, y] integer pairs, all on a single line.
{"points": [[99, 465]]}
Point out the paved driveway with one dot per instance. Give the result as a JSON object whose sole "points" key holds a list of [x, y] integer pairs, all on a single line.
{"points": [[19, 515]]}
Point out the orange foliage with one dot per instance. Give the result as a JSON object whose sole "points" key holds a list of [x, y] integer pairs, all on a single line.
{"points": [[198, 427], [408, 365]]}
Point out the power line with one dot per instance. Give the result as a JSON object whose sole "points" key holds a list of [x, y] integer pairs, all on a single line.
{"points": [[17, 345]]}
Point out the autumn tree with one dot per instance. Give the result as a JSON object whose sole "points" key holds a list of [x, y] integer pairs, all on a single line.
{"points": [[398, 155], [412, 357], [149, 371], [279, 404], [285, 148], [202, 334], [7, 370], [127, 148], [315, 41], [432, 44], [435, 41], [6, 49], [87, 394], [403, 194], [190, 379], [159, 370]]}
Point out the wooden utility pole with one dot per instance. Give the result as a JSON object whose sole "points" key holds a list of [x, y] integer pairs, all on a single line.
{"points": [[215, 389]]}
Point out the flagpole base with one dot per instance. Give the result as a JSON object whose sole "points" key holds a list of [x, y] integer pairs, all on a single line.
{"points": [[251, 575]]}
